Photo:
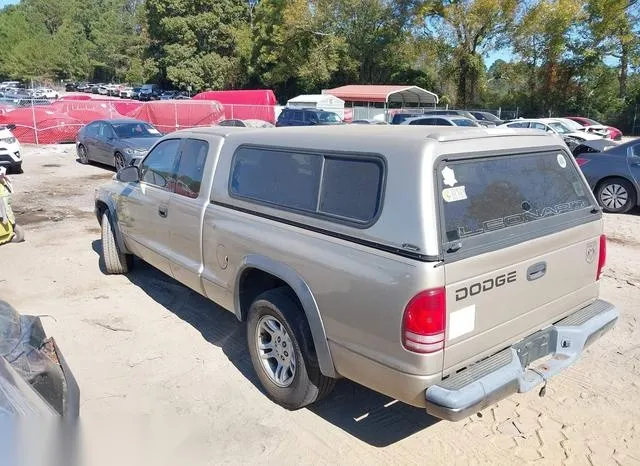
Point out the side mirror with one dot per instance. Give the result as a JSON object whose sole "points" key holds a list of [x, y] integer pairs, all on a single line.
{"points": [[11, 127], [129, 174]]}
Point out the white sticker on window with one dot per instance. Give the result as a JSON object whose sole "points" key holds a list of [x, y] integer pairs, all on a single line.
{"points": [[462, 322], [449, 176], [561, 161], [153, 131], [458, 193]]}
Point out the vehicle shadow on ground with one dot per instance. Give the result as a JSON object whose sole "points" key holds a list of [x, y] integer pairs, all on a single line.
{"points": [[98, 165], [367, 415]]}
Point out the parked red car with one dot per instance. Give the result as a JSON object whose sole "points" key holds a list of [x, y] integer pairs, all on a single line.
{"points": [[614, 133]]}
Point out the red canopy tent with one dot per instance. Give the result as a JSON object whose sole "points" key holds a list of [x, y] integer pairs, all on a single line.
{"points": [[257, 104], [170, 116]]}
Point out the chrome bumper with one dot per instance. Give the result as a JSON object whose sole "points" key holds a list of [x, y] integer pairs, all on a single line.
{"points": [[512, 371]]}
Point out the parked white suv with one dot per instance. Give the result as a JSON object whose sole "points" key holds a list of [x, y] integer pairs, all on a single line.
{"points": [[10, 156], [45, 93]]}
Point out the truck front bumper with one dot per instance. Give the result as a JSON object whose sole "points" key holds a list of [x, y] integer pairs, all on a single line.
{"points": [[521, 367]]}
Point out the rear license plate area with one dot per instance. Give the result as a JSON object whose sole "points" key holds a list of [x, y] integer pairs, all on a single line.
{"points": [[536, 346]]}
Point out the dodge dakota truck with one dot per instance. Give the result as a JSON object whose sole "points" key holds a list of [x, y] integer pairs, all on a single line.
{"points": [[447, 268]]}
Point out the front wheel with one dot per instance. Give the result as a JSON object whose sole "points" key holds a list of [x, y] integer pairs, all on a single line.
{"points": [[616, 195], [83, 156], [115, 261], [282, 351], [119, 162]]}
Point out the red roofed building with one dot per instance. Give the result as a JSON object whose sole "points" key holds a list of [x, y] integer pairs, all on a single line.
{"points": [[370, 100], [384, 94]]}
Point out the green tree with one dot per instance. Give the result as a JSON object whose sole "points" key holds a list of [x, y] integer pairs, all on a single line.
{"points": [[471, 27], [295, 49], [196, 42], [542, 39], [613, 28]]}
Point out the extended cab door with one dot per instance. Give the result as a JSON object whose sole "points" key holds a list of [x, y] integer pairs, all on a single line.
{"points": [[196, 165], [144, 215], [521, 238]]}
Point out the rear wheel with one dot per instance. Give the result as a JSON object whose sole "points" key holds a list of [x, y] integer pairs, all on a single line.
{"points": [[115, 261], [616, 195], [282, 351], [119, 162], [83, 157]]}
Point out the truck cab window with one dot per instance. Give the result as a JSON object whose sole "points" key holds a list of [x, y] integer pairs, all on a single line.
{"points": [[158, 167], [193, 157]]}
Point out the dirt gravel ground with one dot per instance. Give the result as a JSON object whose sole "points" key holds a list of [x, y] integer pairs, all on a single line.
{"points": [[165, 378]]}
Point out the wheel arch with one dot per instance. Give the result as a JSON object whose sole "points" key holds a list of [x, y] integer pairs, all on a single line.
{"points": [[281, 274], [106, 205]]}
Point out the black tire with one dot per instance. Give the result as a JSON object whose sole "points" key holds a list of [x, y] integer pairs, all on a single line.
{"points": [[18, 234], [115, 261], [309, 384], [83, 156], [616, 195], [118, 161], [16, 170]]}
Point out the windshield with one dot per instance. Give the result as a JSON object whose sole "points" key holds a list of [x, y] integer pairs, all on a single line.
{"points": [[559, 128], [593, 122], [329, 117], [463, 122], [572, 124], [135, 130], [488, 116]]}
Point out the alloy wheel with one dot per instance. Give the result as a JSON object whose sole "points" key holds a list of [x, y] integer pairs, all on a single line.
{"points": [[276, 351], [614, 196]]}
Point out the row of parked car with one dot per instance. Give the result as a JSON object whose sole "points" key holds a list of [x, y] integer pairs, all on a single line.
{"points": [[145, 92], [13, 89], [574, 130], [562, 126]]}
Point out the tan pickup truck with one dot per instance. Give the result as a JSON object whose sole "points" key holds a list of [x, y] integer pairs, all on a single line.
{"points": [[445, 267]]}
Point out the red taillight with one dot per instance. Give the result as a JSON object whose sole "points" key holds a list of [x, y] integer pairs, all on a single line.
{"points": [[580, 161], [424, 322], [602, 256]]}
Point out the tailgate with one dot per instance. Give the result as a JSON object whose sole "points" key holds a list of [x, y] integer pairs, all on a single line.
{"points": [[521, 241]]}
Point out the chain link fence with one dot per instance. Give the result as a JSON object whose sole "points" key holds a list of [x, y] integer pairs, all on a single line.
{"points": [[42, 121]]}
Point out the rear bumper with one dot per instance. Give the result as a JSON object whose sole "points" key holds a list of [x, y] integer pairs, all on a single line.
{"points": [[509, 372]]}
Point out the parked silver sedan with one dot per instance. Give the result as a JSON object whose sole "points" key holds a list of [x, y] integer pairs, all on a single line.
{"points": [[118, 143]]}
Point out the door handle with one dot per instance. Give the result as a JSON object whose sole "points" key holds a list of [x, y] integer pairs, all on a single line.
{"points": [[163, 211], [536, 271]]}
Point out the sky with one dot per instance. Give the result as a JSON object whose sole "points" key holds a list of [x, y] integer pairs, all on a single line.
{"points": [[503, 54], [7, 2]]}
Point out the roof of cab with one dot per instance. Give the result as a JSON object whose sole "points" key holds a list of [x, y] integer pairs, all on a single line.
{"points": [[415, 133], [374, 138]]}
